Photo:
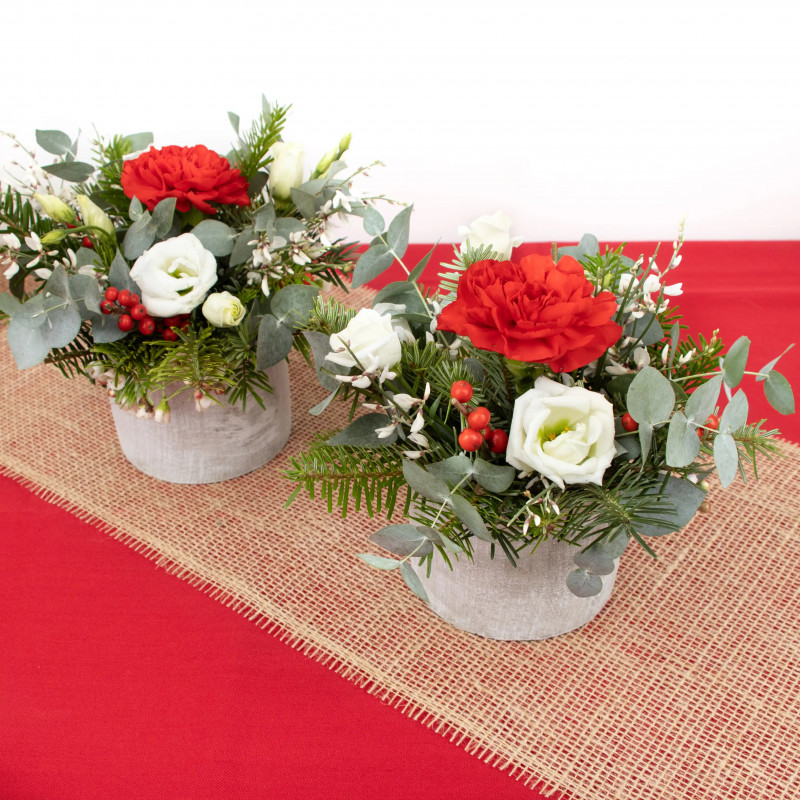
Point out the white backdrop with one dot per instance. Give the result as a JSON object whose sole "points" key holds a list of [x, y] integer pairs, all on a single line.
{"points": [[617, 118]]}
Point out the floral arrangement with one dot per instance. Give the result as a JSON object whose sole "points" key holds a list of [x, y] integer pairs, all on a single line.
{"points": [[148, 266], [550, 396]]}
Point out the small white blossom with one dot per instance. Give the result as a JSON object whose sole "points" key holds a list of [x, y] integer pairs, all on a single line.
{"points": [[419, 439], [686, 356], [641, 357], [419, 422], [386, 431]]}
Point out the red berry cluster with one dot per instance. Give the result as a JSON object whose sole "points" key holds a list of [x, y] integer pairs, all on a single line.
{"points": [[477, 431], [132, 313]]}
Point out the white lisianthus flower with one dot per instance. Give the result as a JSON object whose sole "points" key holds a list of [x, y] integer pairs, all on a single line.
{"points": [[175, 275], [565, 433], [286, 169], [370, 340], [223, 310], [492, 230]]}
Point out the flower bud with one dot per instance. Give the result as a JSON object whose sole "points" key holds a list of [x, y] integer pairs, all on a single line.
{"points": [[56, 208], [223, 310], [344, 143], [325, 163], [54, 236], [286, 169], [94, 216]]}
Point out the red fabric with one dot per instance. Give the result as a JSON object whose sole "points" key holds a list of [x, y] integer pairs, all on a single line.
{"points": [[120, 681]]}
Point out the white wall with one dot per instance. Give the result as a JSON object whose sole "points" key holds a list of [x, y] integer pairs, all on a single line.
{"points": [[619, 118]]}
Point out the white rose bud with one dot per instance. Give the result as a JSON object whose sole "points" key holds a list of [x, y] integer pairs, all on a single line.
{"points": [[95, 216], [565, 433], [371, 338], [286, 169], [492, 230], [56, 208], [223, 309], [175, 275]]}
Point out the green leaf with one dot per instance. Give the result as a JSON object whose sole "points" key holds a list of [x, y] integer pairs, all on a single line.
{"points": [[425, 483], [215, 236], [493, 477], [274, 342], [85, 290], [304, 202], [397, 235], [469, 517], [105, 329], [681, 498], [726, 458], [453, 469], [9, 304], [595, 560], [403, 540], [293, 304], [28, 345], [416, 273], [584, 584], [762, 373], [119, 275], [242, 249], [320, 347], [588, 246], [264, 219], [234, 120], [650, 398], [372, 262], [734, 363], [70, 171], [645, 439], [374, 223], [703, 400], [56, 143], [413, 582], [647, 329], [139, 237], [401, 293], [163, 214], [735, 414], [32, 313], [683, 445], [322, 405], [63, 323], [57, 283], [361, 432], [779, 393], [379, 561], [139, 141]]}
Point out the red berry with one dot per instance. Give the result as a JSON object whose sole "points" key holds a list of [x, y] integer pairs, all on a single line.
{"points": [[629, 423], [134, 300], [125, 322], [111, 293], [124, 298], [106, 306], [470, 439], [138, 311], [712, 422], [461, 391], [169, 335], [498, 441], [478, 418], [172, 322], [146, 325], [87, 242]]}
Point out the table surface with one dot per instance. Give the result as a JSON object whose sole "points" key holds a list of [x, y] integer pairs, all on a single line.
{"points": [[118, 680]]}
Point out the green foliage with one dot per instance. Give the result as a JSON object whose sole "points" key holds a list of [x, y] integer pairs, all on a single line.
{"points": [[106, 191], [251, 153]]}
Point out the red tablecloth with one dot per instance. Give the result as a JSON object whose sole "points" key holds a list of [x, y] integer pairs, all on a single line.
{"points": [[120, 681]]}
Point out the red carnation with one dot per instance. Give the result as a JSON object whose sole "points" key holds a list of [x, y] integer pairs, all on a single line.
{"points": [[535, 311], [196, 176]]}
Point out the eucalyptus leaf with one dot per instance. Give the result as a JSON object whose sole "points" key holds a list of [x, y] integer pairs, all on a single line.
{"points": [[735, 414], [425, 483], [257, 183], [286, 226], [453, 469], [416, 273], [403, 540], [242, 249], [234, 120], [615, 546], [413, 582], [320, 347], [374, 224], [105, 329], [264, 219], [57, 284], [70, 171], [762, 373], [726, 458], [647, 329], [469, 517], [679, 502], [584, 584], [28, 345], [588, 246], [119, 275], [215, 236], [703, 400], [683, 445], [162, 216], [594, 560], [645, 438], [139, 237], [139, 141], [361, 432], [494, 477], [9, 304], [379, 561], [322, 405], [86, 257], [372, 262], [650, 398], [401, 293], [62, 324], [735, 361], [779, 393], [274, 342], [32, 313], [397, 235], [304, 202], [293, 304], [56, 143]]}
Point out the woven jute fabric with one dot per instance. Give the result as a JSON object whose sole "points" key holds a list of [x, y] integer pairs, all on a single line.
{"points": [[685, 686]]}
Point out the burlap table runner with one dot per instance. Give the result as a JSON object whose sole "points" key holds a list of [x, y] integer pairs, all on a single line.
{"points": [[686, 685]]}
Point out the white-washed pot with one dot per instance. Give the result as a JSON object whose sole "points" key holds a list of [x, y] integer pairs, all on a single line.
{"points": [[490, 597], [208, 446]]}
